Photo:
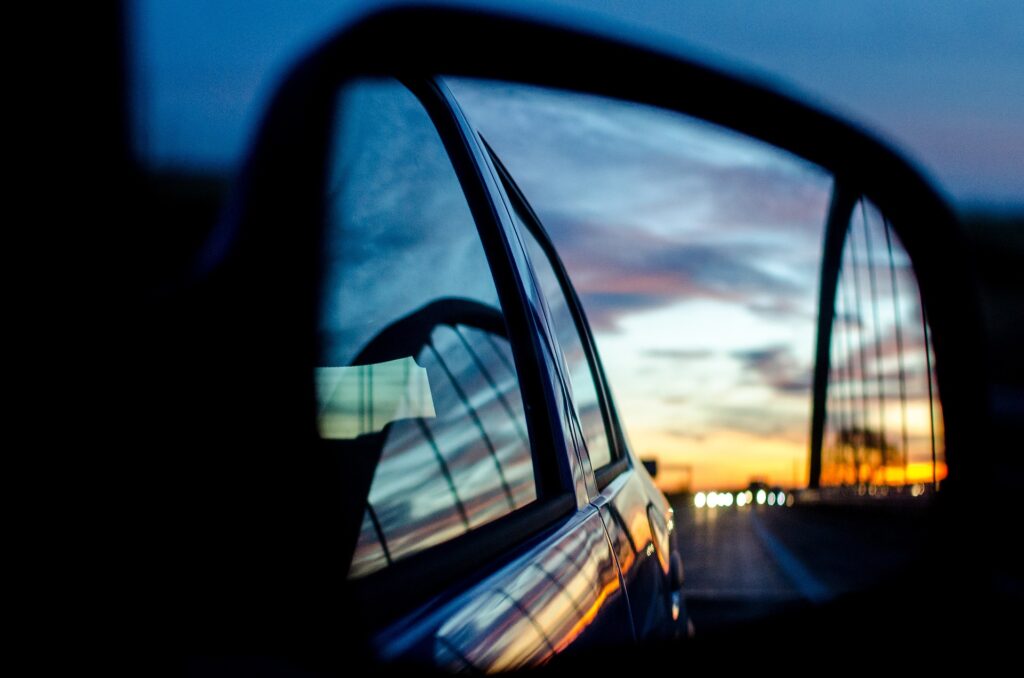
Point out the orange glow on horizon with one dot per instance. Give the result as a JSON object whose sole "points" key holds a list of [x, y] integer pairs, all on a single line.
{"points": [[892, 475], [729, 460], [724, 459]]}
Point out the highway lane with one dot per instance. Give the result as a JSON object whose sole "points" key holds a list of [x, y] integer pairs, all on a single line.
{"points": [[745, 563]]}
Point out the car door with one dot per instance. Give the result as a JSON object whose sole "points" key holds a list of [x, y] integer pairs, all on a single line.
{"points": [[476, 544], [635, 513]]}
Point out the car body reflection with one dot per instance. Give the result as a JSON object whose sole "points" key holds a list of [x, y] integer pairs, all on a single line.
{"points": [[534, 611], [643, 543]]}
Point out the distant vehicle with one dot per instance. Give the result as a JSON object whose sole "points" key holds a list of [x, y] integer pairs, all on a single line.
{"points": [[756, 485]]}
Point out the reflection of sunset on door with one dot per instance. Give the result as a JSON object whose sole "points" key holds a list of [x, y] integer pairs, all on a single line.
{"points": [[697, 255]]}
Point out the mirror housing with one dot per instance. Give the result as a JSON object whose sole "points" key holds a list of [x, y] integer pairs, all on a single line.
{"points": [[276, 214]]}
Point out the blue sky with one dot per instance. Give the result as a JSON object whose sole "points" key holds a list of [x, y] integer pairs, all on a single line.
{"points": [[939, 79]]}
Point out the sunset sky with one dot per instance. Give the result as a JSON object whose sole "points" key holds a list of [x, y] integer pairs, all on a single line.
{"points": [[696, 253]]}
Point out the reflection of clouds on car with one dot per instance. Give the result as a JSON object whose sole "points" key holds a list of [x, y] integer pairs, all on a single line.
{"points": [[403, 220]]}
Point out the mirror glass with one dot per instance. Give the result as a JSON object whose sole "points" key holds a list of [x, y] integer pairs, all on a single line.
{"points": [[697, 254]]}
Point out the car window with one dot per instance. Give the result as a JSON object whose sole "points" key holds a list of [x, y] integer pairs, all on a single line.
{"points": [[416, 366], [584, 387]]}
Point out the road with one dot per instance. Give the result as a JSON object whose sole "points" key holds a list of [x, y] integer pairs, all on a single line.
{"points": [[745, 563]]}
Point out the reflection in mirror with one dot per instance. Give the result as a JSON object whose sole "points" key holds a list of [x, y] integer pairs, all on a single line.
{"points": [[417, 379], [695, 252], [441, 476], [884, 420], [525, 617], [365, 398], [697, 255]]}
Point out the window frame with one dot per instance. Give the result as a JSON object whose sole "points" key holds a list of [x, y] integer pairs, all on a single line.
{"points": [[386, 594], [616, 439]]}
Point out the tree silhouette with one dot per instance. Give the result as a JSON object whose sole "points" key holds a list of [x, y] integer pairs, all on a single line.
{"points": [[857, 446]]}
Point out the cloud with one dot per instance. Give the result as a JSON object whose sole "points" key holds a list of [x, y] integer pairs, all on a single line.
{"points": [[765, 197], [781, 308], [648, 208], [618, 272], [686, 435], [777, 367], [861, 350], [759, 421], [679, 354]]}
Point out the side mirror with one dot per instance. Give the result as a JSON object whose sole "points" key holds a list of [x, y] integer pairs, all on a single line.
{"points": [[280, 213]]}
